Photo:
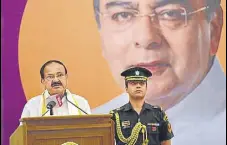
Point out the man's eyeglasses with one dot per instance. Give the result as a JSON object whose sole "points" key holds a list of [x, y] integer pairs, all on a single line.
{"points": [[58, 76], [172, 18]]}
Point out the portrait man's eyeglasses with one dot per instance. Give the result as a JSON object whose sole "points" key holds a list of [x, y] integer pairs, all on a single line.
{"points": [[120, 19]]}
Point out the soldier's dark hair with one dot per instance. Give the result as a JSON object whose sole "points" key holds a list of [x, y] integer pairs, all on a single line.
{"points": [[49, 62], [213, 5]]}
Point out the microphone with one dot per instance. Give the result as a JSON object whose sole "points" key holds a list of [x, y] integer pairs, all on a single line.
{"points": [[76, 106], [53, 98], [50, 107]]}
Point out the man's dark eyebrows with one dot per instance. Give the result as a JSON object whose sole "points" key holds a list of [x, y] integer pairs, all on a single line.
{"points": [[124, 4], [165, 2], [55, 73]]}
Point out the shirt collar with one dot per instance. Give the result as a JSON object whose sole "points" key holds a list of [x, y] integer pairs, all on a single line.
{"points": [[46, 94], [128, 107], [147, 106]]}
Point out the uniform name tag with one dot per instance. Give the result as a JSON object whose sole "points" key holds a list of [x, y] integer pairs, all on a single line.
{"points": [[153, 124]]}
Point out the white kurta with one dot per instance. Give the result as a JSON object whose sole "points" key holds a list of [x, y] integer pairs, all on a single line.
{"points": [[200, 118], [33, 108]]}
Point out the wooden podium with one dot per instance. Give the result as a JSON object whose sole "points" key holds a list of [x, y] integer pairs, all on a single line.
{"points": [[56, 130]]}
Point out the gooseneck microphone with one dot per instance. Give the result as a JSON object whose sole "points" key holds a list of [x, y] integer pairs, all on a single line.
{"points": [[55, 100], [50, 107]]}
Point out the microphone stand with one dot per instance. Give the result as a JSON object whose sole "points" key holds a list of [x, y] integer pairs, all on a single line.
{"points": [[45, 112], [51, 111], [76, 106]]}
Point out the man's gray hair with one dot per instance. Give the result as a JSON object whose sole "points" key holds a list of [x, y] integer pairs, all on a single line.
{"points": [[212, 3]]}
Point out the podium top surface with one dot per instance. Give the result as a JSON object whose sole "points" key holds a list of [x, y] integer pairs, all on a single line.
{"points": [[92, 116]]}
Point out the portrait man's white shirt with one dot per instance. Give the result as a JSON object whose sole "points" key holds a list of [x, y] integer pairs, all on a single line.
{"points": [[33, 107], [199, 118]]}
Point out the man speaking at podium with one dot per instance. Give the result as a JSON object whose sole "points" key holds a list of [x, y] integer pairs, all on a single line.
{"points": [[56, 99]]}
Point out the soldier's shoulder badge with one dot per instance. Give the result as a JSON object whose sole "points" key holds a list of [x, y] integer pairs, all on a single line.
{"points": [[169, 128]]}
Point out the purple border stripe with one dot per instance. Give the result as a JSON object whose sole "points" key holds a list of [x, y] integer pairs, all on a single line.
{"points": [[13, 98]]}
